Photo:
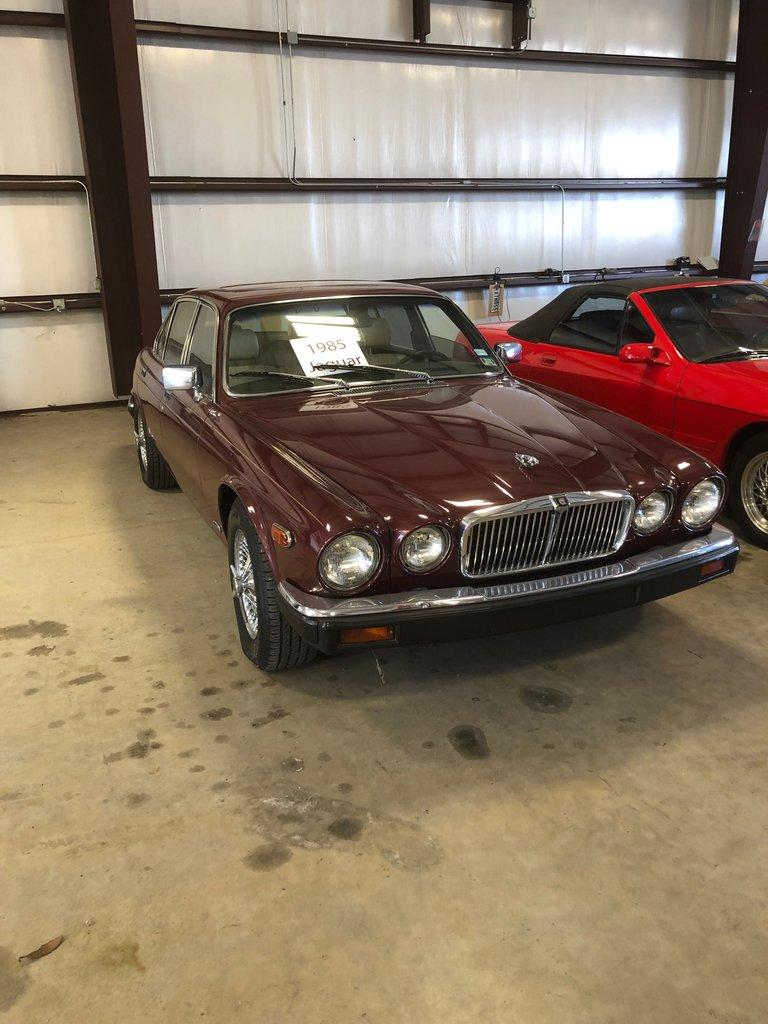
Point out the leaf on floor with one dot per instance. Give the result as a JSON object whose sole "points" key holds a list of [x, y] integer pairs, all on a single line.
{"points": [[47, 947]]}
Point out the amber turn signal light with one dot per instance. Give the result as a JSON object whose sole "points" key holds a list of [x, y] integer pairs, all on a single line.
{"points": [[281, 536], [367, 636], [712, 568]]}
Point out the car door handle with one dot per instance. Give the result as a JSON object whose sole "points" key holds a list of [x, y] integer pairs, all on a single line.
{"points": [[548, 360], [143, 371]]}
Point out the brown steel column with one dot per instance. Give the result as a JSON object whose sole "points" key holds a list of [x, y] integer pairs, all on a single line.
{"points": [[747, 180], [105, 70], [421, 20], [520, 23]]}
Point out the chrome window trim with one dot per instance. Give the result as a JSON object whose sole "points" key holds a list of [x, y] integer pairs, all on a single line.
{"points": [[163, 331], [172, 313], [188, 342], [551, 503], [335, 298]]}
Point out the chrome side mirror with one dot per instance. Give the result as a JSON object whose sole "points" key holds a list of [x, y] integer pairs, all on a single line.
{"points": [[511, 351], [181, 378]]}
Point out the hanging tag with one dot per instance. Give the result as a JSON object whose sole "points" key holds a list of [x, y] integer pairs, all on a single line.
{"points": [[496, 298]]}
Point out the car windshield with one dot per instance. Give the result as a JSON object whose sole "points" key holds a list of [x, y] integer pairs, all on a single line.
{"points": [[714, 323], [347, 343]]}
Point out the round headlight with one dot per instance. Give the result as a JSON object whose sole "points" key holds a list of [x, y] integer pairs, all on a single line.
{"points": [[349, 561], [702, 504], [423, 549], [651, 513]]}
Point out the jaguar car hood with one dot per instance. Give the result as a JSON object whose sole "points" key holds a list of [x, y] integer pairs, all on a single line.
{"points": [[457, 447]]}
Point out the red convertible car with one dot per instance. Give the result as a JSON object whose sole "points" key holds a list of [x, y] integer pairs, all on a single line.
{"points": [[687, 357], [379, 478]]}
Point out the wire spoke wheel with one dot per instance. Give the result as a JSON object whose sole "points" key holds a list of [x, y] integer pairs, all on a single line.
{"points": [[754, 491], [244, 583], [141, 441]]}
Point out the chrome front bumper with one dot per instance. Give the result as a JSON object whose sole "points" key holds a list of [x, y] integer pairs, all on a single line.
{"points": [[662, 561]]}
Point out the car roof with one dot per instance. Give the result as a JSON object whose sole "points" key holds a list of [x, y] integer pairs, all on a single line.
{"points": [[232, 296], [541, 323]]}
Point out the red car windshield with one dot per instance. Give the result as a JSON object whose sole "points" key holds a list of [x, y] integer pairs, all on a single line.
{"points": [[350, 342], [714, 323]]}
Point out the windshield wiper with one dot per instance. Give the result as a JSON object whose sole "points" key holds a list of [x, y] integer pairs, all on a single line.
{"points": [[419, 374], [739, 354], [291, 376]]}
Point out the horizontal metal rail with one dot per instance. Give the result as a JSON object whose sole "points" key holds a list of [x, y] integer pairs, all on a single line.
{"points": [[471, 282], [197, 184], [171, 184], [353, 44]]}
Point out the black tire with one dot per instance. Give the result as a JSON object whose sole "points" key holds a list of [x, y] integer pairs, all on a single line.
{"points": [[275, 645], [752, 454], [155, 471]]}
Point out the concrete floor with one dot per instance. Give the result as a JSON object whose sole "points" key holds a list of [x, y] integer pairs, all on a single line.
{"points": [[604, 863]]}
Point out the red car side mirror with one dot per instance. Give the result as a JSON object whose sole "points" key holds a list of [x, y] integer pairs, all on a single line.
{"points": [[640, 353]]}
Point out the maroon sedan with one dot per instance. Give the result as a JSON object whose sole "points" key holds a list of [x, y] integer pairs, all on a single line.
{"points": [[379, 478]]}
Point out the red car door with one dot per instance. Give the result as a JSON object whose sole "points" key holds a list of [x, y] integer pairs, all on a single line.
{"points": [[582, 357]]}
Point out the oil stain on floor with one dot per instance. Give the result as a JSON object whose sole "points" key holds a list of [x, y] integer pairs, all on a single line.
{"points": [[13, 979], [26, 630], [268, 857], [545, 699], [286, 815], [470, 742]]}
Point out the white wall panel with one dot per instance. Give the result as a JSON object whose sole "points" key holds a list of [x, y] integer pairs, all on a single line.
{"points": [[375, 19], [519, 302], [216, 110], [38, 124], [45, 244], [667, 28], [228, 238], [44, 6], [212, 110], [53, 359]]}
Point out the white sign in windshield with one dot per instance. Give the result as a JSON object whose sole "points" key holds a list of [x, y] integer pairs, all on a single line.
{"points": [[326, 341]]}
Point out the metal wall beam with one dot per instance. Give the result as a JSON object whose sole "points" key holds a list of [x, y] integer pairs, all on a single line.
{"points": [[747, 181], [496, 55], [43, 183], [105, 71], [31, 19], [468, 282], [196, 184], [493, 54]]}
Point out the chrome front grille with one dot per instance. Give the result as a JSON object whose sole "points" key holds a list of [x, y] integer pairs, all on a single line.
{"points": [[558, 529]]}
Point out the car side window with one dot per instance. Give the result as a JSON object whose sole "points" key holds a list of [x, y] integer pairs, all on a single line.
{"points": [[593, 326], [636, 329], [158, 346], [178, 330], [202, 347]]}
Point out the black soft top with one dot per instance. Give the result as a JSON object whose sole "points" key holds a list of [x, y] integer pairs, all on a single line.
{"points": [[539, 325]]}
